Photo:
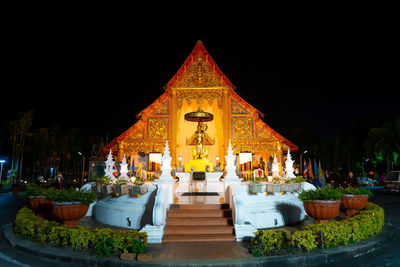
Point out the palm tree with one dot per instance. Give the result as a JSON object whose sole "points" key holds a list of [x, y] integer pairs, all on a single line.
{"points": [[384, 141], [19, 131]]}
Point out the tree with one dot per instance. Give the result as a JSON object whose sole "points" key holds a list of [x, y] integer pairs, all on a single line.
{"points": [[19, 131], [383, 143]]}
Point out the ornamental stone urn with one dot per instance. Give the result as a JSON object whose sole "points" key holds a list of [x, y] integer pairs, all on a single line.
{"points": [[354, 203], [69, 212], [41, 206], [322, 210]]}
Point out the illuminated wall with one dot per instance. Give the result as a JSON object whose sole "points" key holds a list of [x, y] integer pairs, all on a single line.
{"points": [[186, 129]]}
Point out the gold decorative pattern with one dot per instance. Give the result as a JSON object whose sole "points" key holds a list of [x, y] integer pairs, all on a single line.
{"points": [[199, 96], [242, 127], [145, 146], [137, 135], [207, 140], [163, 109], [237, 109], [254, 146], [199, 75], [157, 128], [261, 134]]}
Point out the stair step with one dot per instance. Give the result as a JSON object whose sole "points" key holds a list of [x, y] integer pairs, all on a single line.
{"points": [[198, 229], [198, 206], [200, 213], [198, 221], [197, 238]]}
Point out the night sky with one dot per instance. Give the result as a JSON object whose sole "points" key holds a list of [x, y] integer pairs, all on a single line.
{"points": [[303, 79]]}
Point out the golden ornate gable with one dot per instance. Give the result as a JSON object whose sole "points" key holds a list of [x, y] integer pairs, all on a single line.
{"points": [[199, 75], [237, 109], [199, 96], [163, 109], [262, 134], [199, 71]]}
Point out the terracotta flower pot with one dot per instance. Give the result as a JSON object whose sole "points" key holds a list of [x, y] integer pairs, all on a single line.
{"points": [[354, 203], [69, 213], [322, 210], [15, 190], [35, 202]]}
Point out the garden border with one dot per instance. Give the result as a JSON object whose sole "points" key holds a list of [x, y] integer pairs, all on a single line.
{"points": [[315, 257]]}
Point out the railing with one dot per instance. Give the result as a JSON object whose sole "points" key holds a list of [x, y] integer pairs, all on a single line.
{"points": [[236, 204], [161, 206]]}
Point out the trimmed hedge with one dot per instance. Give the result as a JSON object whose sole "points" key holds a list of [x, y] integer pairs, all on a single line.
{"points": [[103, 242], [363, 225]]}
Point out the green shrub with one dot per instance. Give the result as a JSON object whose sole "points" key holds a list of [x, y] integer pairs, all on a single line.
{"points": [[298, 179], [305, 239], [325, 193], [271, 240], [102, 180], [121, 181], [356, 191], [103, 242], [365, 224], [71, 195]]}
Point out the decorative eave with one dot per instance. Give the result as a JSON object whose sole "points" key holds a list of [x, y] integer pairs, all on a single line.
{"points": [[246, 105], [140, 124], [199, 48], [276, 135], [152, 107], [132, 130]]}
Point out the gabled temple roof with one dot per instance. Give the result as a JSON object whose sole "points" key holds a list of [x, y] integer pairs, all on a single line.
{"points": [[199, 71], [199, 58]]}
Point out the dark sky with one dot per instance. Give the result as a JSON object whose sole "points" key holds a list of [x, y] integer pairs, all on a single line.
{"points": [[306, 78]]}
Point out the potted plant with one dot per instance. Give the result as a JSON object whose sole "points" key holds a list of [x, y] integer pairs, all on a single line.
{"points": [[36, 195], [255, 187], [322, 204], [104, 185], [355, 199], [287, 186], [138, 188], [121, 187], [295, 183], [70, 205], [275, 186]]}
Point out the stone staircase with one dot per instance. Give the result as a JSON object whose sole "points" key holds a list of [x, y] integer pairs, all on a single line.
{"points": [[199, 223]]}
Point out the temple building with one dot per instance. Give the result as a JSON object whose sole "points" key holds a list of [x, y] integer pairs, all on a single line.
{"points": [[200, 85]]}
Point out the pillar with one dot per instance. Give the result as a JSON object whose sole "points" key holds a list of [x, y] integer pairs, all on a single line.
{"points": [[226, 121], [173, 127]]}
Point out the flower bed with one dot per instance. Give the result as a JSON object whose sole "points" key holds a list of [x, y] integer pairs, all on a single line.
{"points": [[102, 242], [365, 224]]}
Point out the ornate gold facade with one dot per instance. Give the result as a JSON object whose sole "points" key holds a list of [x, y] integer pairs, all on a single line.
{"points": [[157, 128], [200, 83], [199, 75], [242, 128]]}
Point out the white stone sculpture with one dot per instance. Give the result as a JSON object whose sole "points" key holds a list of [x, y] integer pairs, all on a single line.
{"points": [[108, 171], [124, 169], [166, 164], [166, 177], [289, 166], [231, 177], [275, 167], [230, 165]]}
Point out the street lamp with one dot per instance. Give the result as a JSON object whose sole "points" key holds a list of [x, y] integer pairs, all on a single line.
{"points": [[1, 169], [301, 161], [83, 167]]}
